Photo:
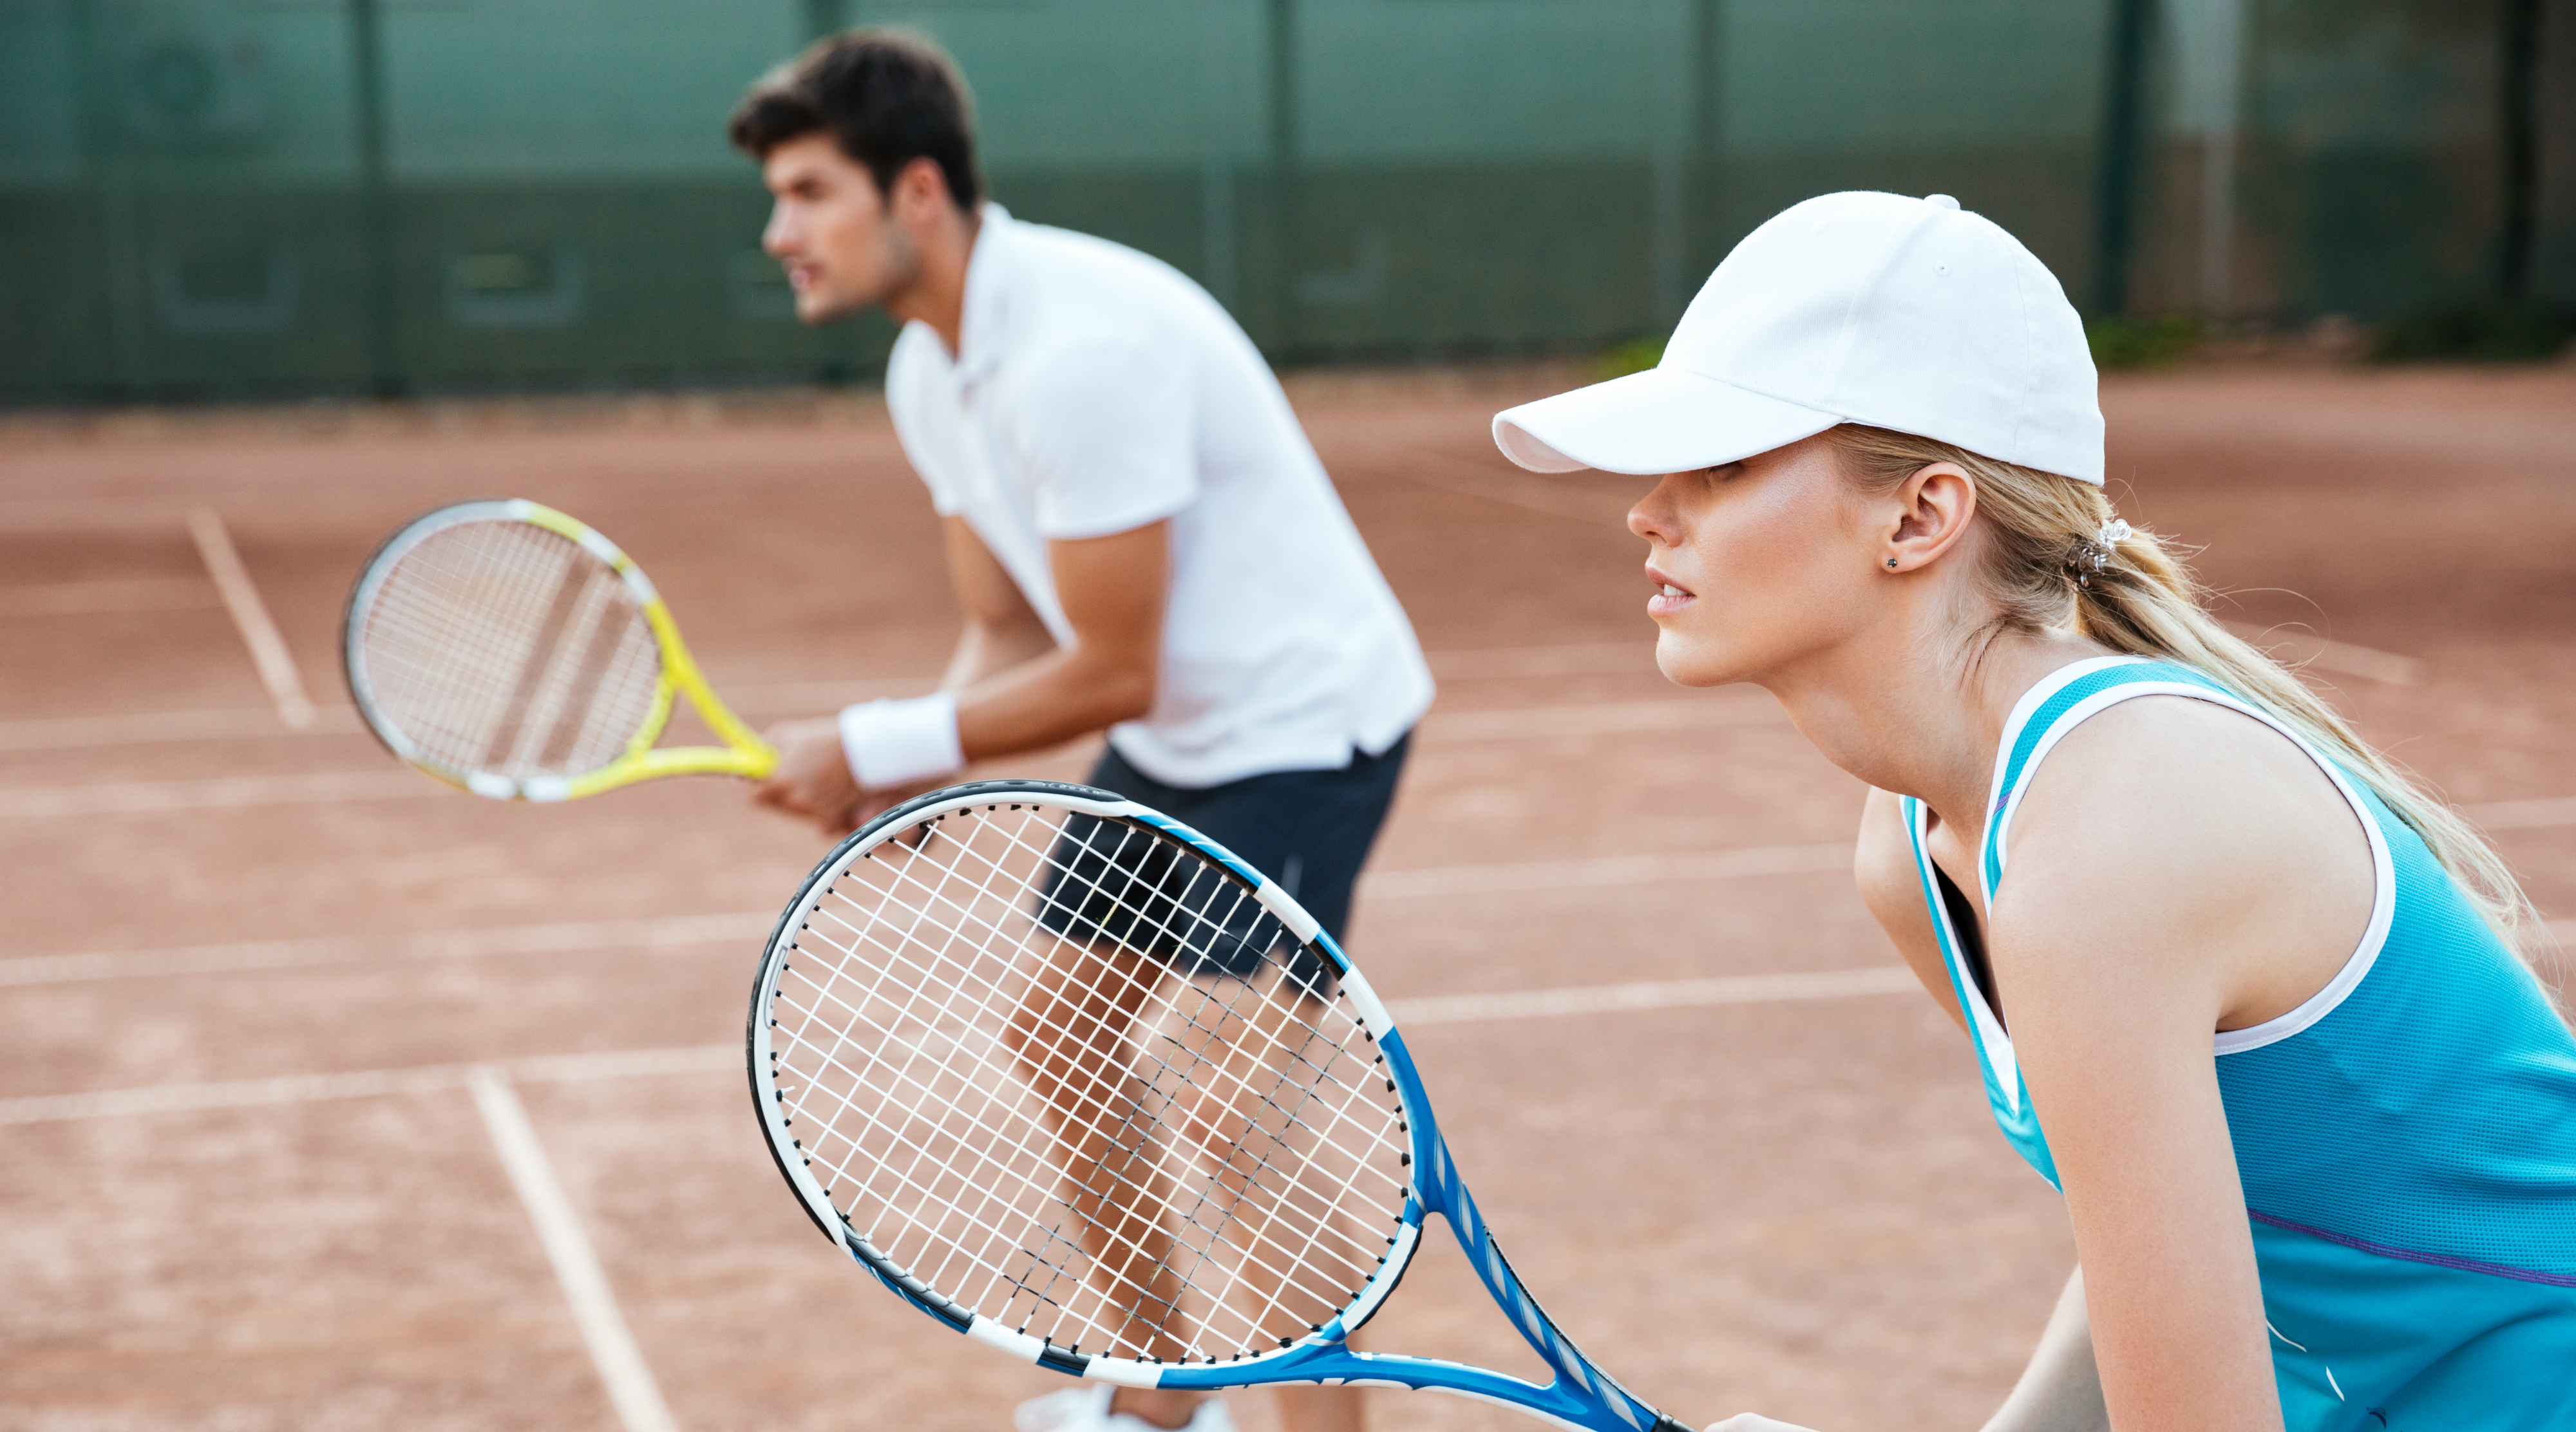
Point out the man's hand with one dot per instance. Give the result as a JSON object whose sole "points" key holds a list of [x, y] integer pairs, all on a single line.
{"points": [[813, 779]]}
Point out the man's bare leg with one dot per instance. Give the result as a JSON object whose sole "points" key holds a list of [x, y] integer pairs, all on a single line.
{"points": [[1260, 1067], [1081, 1003]]}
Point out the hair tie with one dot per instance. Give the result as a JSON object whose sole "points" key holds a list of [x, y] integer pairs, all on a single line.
{"points": [[2095, 554]]}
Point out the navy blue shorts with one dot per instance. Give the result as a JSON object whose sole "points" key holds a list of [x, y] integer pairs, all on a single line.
{"points": [[1308, 830]]}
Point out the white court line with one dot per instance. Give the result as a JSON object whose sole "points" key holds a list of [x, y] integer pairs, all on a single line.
{"points": [[70, 732], [219, 792], [1652, 994], [1749, 707], [62, 733], [1588, 658], [2307, 649], [669, 931], [727, 1058], [631, 1389], [1528, 723], [642, 934], [267, 649], [1514, 487], [1598, 871], [142, 594], [2522, 815], [364, 1084], [1520, 723], [756, 699]]}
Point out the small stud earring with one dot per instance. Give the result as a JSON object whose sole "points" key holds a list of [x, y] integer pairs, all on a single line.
{"points": [[1891, 562]]}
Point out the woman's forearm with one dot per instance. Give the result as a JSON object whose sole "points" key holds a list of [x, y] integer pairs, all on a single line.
{"points": [[2060, 1391]]}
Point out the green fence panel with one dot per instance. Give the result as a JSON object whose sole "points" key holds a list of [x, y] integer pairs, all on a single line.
{"points": [[240, 198]]}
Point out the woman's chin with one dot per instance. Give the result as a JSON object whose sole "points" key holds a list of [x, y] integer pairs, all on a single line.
{"points": [[1687, 661]]}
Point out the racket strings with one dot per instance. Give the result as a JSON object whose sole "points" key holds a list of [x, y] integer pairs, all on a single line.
{"points": [[1240, 902], [1105, 1192], [1212, 1173], [501, 647]]}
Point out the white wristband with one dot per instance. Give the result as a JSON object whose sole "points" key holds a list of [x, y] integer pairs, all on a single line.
{"points": [[899, 743]]}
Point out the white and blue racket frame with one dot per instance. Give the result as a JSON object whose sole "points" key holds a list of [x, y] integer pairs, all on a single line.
{"points": [[1579, 1396]]}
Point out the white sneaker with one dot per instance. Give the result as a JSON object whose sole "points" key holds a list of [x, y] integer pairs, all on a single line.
{"points": [[1086, 1409]]}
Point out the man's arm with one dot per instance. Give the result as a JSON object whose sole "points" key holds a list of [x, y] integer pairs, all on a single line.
{"points": [[1113, 589], [1015, 689], [1002, 630]]}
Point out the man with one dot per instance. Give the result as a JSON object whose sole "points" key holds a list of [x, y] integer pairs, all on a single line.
{"points": [[1140, 535]]}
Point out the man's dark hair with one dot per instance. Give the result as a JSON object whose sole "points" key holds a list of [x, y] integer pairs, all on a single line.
{"points": [[886, 97]]}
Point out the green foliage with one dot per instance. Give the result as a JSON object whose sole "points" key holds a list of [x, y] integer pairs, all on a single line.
{"points": [[1634, 356], [2476, 331], [2122, 342]]}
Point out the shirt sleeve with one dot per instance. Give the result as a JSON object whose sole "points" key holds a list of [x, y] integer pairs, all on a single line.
{"points": [[909, 401], [1103, 430]]}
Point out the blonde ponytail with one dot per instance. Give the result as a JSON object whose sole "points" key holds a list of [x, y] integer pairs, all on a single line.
{"points": [[2048, 571]]}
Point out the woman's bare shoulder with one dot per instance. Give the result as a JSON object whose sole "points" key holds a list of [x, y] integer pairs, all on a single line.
{"points": [[2190, 837]]}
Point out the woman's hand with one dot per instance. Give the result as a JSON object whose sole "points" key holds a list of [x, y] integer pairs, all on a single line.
{"points": [[1754, 1422]]}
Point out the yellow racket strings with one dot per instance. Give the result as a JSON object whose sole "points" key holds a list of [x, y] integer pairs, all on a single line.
{"points": [[503, 648], [1208, 1178]]}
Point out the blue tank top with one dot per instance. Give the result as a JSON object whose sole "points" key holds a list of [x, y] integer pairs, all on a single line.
{"points": [[2406, 1137]]}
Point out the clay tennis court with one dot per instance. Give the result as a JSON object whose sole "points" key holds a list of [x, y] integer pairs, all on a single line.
{"points": [[272, 1008]]}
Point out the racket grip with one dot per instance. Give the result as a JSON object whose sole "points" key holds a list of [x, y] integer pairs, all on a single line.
{"points": [[1665, 1422]]}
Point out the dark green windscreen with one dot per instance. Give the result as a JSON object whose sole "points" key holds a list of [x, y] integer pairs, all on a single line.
{"points": [[243, 197]]}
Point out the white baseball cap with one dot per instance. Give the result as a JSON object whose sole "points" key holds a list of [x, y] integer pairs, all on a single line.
{"points": [[1898, 313]]}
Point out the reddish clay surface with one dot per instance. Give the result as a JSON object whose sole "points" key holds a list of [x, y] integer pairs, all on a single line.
{"points": [[1795, 1207]]}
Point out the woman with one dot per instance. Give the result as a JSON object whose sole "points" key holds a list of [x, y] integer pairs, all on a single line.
{"points": [[2238, 987]]}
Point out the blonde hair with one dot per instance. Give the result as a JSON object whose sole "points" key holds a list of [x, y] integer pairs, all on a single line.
{"points": [[2048, 571]]}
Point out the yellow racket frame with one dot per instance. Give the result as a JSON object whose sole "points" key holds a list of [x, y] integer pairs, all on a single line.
{"points": [[743, 752]]}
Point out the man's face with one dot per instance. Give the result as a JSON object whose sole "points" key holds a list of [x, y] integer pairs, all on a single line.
{"points": [[832, 231]]}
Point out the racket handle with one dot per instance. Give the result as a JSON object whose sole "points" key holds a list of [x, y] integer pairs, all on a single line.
{"points": [[1664, 1422]]}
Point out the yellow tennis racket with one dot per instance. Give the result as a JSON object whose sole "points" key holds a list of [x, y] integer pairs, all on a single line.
{"points": [[513, 652]]}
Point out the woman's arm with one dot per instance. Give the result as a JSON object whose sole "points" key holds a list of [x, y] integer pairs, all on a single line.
{"points": [[2060, 1391], [2174, 869]]}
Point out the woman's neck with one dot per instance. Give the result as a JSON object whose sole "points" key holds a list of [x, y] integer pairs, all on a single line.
{"points": [[1913, 714]]}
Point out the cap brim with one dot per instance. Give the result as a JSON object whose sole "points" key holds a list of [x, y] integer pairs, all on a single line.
{"points": [[1661, 420]]}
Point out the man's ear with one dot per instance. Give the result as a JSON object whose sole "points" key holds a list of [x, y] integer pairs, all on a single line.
{"points": [[920, 189], [1926, 516]]}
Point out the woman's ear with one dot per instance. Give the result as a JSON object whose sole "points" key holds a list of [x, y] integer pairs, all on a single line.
{"points": [[1926, 516]]}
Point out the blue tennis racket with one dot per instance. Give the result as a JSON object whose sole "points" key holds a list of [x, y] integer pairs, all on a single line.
{"points": [[1076, 1082]]}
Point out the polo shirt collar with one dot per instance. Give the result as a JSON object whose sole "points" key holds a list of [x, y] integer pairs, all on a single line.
{"points": [[980, 328]]}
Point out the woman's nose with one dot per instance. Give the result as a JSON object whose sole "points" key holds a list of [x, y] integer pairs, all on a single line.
{"points": [[1652, 517]]}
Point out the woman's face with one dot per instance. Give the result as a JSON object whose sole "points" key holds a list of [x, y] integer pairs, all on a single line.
{"points": [[1754, 564]]}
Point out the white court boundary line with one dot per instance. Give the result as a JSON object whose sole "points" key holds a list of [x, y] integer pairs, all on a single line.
{"points": [[682, 931], [1515, 723], [250, 616], [2336, 656], [2522, 815], [106, 597], [1651, 994], [752, 698], [668, 931], [569, 938], [727, 1058], [631, 1389], [216, 793]]}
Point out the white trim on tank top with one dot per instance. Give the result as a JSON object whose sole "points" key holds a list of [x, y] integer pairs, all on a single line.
{"points": [[2383, 875], [1993, 1044]]}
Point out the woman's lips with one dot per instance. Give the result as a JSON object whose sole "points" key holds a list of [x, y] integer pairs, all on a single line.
{"points": [[1668, 598]]}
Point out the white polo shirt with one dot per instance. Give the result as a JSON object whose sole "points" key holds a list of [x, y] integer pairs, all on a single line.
{"points": [[1097, 390]]}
